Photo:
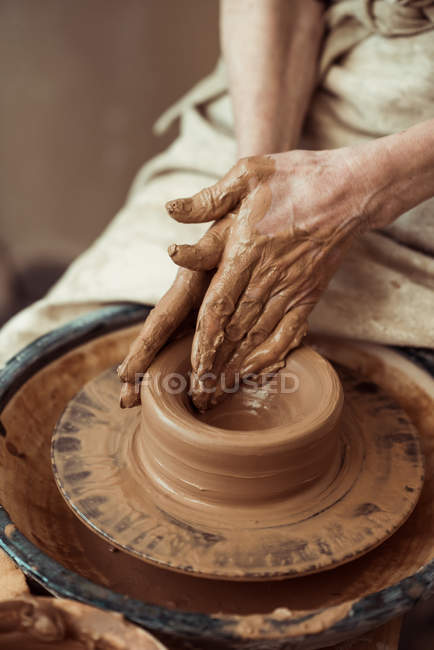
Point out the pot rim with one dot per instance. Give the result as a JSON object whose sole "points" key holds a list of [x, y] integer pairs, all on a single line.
{"points": [[311, 426]]}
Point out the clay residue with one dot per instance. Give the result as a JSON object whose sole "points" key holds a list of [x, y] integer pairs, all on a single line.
{"points": [[9, 530], [257, 626], [38, 623]]}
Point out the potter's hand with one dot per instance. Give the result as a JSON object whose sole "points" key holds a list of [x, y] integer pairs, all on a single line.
{"points": [[282, 225], [173, 309], [284, 222]]}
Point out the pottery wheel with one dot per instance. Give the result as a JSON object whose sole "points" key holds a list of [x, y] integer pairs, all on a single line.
{"points": [[373, 491]]}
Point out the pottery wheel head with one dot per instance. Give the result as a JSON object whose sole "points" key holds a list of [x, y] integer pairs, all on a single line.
{"points": [[283, 480]]}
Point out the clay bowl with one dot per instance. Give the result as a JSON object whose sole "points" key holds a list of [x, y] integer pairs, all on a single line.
{"points": [[51, 545], [261, 446]]}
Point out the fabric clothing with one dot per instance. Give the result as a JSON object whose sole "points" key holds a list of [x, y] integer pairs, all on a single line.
{"points": [[376, 78]]}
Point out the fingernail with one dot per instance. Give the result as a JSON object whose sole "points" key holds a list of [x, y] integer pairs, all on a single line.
{"points": [[130, 396], [200, 401], [121, 369], [172, 250], [179, 205]]}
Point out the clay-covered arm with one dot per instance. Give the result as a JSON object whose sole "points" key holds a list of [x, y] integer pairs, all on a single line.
{"points": [[270, 50], [286, 221]]}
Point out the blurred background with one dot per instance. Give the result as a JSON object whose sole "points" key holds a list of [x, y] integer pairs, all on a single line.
{"points": [[82, 84]]}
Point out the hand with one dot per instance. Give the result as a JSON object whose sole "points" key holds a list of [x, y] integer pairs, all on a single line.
{"points": [[282, 225], [284, 222], [174, 308]]}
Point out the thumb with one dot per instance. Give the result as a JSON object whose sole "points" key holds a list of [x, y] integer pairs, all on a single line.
{"points": [[205, 254], [212, 202]]}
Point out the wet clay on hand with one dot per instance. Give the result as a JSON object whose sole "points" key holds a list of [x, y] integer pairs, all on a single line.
{"points": [[172, 311], [276, 258], [283, 223]]}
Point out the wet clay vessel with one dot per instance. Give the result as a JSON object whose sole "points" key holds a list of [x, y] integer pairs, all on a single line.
{"points": [[52, 546], [279, 480]]}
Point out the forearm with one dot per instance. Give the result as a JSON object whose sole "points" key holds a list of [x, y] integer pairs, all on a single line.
{"points": [[397, 172], [271, 50]]}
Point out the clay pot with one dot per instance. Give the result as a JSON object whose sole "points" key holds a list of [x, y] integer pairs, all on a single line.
{"points": [[260, 446]]}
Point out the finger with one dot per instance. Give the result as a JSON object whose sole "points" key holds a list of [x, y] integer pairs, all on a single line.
{"points": [[130, 395], [300, 290], [217, 307], [251, 304], [212, 202], [185, 293], [169, 313], [201, 390], [271, 354], [288, 308], [283, 322], [250, 307], [270, 294], [204, 255], [231, 355], [215, 311], [252, 323]]}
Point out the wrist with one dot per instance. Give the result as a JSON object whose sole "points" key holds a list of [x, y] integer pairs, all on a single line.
{"points": [[271, 51], [393, 174], [261, 140]]}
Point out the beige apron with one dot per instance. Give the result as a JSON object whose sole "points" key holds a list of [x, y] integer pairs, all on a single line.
{"points": [[376, 77]]}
